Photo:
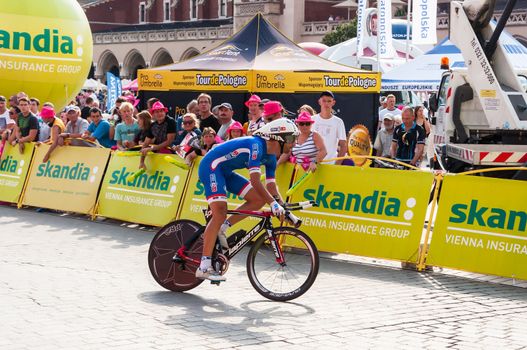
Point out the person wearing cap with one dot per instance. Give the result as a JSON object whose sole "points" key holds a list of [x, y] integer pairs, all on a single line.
{"points": [[390, 108], [235, 130], [56, 126], [255, 115], [27, 127], [6, 123], [383, 141], [309, 149], [225, 114], [99, 129], [207, 119], [331, 128], [75, 127], [162, 132], [273, 110]]}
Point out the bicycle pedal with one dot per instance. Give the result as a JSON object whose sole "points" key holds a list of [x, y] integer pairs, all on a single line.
{"points": [[215, 282]]}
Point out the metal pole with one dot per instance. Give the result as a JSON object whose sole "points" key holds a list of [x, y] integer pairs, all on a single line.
{"points": [[408, 29]]}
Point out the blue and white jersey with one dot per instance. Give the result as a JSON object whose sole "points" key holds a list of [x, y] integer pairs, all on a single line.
{"points": [[245, 152]]}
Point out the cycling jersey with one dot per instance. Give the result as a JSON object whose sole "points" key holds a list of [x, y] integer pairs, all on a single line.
{"points": [[216, 170]]}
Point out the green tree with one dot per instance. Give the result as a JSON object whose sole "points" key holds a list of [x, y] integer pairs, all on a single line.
{"points": [[342, 33]]}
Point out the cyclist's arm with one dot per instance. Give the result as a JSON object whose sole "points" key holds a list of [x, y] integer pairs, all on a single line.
{"points": [[260, 189]]}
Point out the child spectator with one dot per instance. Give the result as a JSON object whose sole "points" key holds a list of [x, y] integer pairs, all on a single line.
{"points": [[144, 120], [126, 131], [235, 130], [208, 140]]}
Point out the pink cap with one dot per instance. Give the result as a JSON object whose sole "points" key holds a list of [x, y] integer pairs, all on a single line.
{"points": [[272, 107], [158, 106], [304, 117], [47, 112], [235, 126], [253, 98]]}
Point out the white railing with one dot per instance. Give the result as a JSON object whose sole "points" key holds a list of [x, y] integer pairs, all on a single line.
{"points": [[212, 33]]}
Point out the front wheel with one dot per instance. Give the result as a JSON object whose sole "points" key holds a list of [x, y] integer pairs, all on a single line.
{"points": [[291, 279], [172, 275]]}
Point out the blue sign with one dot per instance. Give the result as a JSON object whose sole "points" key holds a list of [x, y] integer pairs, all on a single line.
{"points": [[115, 90]]}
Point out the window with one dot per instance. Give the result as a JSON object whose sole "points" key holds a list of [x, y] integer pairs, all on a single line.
{"points": [[194, 9], [142, 12], [443, 89], [222, 4], [166, 10]]}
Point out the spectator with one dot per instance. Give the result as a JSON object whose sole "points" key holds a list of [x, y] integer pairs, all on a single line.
{"points": [[207, 119], [216, 111], [191, 129], [383, 141], [126, 131], [397, 120], [390, 108], [6, 123], [235, 130], [144, 120], [161, 134], [421, 119], [34, 105], [225, 114], [150, 102], [88, 105], [57, 127], [255, 115], [208, 140], [272, 110], [75, 127], [27, 125], [99, 129], [11, 133], [309, 149], [306, 108], [193, 107], [408, 139], [382, 102], [13, 102], [330, 127]]}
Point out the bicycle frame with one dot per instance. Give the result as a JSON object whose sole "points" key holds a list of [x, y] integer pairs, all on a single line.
{"points": [[264, 224]]}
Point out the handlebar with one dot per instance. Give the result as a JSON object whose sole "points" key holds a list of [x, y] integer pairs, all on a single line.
{"points": [[290, 217]]}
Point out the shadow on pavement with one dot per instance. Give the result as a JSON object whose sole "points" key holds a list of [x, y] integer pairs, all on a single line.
{"points": [[237, 323]]}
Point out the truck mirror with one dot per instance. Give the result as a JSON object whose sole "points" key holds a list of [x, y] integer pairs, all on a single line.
{"points": [[432, 103]]}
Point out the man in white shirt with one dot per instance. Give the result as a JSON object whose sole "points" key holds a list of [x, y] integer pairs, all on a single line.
{"points": [[330, 127], [6, 123], [390, 108]]}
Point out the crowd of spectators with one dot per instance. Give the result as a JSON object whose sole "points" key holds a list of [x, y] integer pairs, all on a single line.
{"points": [[402, 133]]}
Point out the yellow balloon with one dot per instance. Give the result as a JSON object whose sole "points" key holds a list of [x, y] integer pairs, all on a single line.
{"points": [[359, 144], [46, 49]]}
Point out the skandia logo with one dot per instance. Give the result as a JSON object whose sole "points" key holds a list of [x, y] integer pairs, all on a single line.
{"points": [[377, 203], [77, 172], [47, 41], [482, 216], [11, 165], [157, 181]]}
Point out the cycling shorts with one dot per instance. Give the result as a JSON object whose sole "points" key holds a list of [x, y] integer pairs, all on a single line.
{"points": [[217, 184]]}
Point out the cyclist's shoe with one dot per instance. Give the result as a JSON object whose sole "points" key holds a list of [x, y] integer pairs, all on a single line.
{"points": [[210, 274]]}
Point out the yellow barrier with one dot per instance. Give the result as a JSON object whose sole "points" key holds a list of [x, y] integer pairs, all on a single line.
{"points": [[14, 168], [69, 181], [152, 198], [481, 226], [366, 211]]}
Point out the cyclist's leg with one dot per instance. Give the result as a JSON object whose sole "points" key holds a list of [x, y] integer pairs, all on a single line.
{"points": [[242, 188]]}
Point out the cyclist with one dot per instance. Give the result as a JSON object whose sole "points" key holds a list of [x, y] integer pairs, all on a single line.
{"points": [[216, 172]]}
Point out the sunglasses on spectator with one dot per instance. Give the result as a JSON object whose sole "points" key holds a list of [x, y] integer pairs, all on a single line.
{"points": [[304, 123], [11, 112], [188, 122]]}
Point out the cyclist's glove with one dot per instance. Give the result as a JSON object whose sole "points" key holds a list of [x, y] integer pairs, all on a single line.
{"points": [[277, 209]]}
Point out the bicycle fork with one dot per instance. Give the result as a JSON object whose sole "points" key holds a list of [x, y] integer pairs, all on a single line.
{"points": [[276, 248]]}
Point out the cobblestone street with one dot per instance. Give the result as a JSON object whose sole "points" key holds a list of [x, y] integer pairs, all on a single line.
{"points": [[68, 283]]}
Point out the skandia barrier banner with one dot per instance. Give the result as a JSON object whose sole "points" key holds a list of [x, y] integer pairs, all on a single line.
{"points": [[195, 201], [366, 211], [151, 198], [14, 167], [69, 181], [481, 226]]}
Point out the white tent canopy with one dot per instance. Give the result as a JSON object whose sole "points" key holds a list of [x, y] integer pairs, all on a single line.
{"points": [[424, 73], [92, 84]]}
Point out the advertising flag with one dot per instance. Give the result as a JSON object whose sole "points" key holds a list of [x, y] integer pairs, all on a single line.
{"points": [[361, 25], [424, 22], [384, 29], [115, 90]]}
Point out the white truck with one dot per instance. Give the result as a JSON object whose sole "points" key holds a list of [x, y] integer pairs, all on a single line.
{"points": [[481, 110]]}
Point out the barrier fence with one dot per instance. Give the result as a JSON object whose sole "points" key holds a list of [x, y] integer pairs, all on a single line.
{"points": [[480, 223]]}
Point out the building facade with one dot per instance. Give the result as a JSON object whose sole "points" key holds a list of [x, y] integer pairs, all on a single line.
{"points": [[132, 34]]}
